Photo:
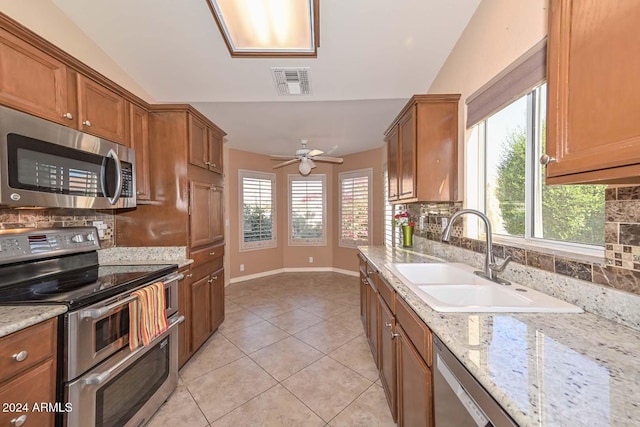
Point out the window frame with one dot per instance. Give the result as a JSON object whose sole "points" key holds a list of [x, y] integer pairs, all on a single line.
{"points": [[476, 177], [321, 241], [360, 173], [261, 244]]}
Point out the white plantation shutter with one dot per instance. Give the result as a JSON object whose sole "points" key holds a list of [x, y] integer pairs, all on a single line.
{"points": [[388, 212], [355, 204], [307, 216], [257, 209]]}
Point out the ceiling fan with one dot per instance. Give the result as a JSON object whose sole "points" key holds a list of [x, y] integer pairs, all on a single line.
{"points": [[306, 157]]}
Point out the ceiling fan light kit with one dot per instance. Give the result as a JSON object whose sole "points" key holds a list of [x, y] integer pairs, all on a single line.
{"points": [[306, 158]]}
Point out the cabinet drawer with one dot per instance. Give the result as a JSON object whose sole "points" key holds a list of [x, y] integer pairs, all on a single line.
{"points": [[34, 386], [38, 342], [387, 293], [208, 255], [414, 327]]}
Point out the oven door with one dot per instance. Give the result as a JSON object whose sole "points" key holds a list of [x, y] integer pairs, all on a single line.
{"points": [[100, 330], [46, 164], [128, 388]]}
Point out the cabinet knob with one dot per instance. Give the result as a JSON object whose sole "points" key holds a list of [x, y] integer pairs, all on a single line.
{"points": [[213, 164], [87, 123], [215, 277], [138, 193], [20, 356], [208, 163], [210, 281], [545, 159], [68, 116], [212, 253], [388, 325], [189, 275], [394, 335], [19, 421]]}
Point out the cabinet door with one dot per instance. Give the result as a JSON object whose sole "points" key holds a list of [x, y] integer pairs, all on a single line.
{"points": [[200, 312], [415, 400], [101, 112], [34, 386], [198, 142], [216, 214], [593, 90], [387, 356], [363, 302], [372, 321], [392, 164], [217, 299], [184, 308], [407, 149], [215, 152], [139, 141], [200, 195], [32, 81]]}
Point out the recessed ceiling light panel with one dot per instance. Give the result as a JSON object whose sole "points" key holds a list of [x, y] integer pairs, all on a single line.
{"points": [[268, 27]]}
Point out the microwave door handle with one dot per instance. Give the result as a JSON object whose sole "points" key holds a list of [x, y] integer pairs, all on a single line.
{"points": [[113, 200]]}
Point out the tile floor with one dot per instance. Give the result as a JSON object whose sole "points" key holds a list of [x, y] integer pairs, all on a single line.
{"points": [[291, 352]]}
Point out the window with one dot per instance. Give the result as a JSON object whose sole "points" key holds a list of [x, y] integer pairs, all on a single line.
{"points": [[307, 210], [388, 211], [257, 207], [504, 172], [355, 203]]}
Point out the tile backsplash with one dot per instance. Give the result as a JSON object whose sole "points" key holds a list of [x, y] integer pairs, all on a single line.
{"points": [[621, 268], [48, 218]]}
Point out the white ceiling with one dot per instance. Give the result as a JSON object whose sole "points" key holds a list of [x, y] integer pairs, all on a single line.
{"points": [[373, 56]]}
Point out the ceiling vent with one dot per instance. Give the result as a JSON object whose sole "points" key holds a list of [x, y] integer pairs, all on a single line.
{"points": [[292, 81]]}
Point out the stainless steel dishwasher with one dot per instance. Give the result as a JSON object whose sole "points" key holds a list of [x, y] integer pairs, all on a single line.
{"points": [[459, 400]]}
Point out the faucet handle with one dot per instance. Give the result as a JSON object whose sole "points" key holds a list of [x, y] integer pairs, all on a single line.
{"points": [[500, 268]]}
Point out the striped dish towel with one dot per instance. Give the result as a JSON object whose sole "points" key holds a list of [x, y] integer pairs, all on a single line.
{"points": [[147, 315]]}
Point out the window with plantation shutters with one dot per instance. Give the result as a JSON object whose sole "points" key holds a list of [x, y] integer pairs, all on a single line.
{"points": [[257, 210], [307, 210], [355, 201]]}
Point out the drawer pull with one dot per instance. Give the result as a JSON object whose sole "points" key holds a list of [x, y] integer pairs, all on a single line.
{"points": [[215, 277], [21, 356], [210, 281], [19, 421], [189, 275], [212, 253], [68, 116], [87, 123], [388, 325], [394, 335]]}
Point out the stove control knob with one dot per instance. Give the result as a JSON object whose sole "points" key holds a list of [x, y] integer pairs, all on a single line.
{"points": [[78, 238], [91, 237]]}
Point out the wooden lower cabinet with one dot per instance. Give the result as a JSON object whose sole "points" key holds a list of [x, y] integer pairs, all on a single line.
{"points": [[415, 389], [217, 299], [184, 308], [200, 312], [387, 355], [31, 380], [372, 319]]}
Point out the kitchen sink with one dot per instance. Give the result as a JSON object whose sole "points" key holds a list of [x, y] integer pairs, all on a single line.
{"points": [[455, 288]]}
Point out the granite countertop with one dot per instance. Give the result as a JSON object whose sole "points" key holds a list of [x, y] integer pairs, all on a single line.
{"points": [[543, 369], [16, 317], [144, 256]]}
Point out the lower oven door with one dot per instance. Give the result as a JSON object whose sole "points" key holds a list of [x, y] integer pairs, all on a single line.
{"points": [[129, 387]]}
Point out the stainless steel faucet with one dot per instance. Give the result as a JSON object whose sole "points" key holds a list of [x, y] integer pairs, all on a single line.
{"points": [[491, 269]]}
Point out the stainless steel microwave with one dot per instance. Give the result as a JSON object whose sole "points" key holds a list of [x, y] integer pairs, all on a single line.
{"points": [[45, 164]]}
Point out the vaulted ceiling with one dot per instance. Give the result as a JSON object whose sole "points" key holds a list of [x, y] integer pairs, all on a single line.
{"points": [[373, 56]]}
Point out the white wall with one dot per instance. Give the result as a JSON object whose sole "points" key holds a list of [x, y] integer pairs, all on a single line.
{"points": [[45, 19]]}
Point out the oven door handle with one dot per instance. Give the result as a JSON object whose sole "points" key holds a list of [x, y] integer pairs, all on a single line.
{"points": [[97, 379], [96, 313]]}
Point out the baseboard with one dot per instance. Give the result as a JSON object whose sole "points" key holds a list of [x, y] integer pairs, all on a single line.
{"points": [[292, 270]]}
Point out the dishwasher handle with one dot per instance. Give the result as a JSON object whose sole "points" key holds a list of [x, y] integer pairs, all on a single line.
{"points": [[466, 400]]}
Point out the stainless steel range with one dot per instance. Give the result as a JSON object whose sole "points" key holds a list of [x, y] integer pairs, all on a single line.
{"points": [[106, 383]]}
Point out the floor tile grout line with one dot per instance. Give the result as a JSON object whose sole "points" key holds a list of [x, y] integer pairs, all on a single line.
{"points": [[196, 402], [352, 402], [301, 401]]}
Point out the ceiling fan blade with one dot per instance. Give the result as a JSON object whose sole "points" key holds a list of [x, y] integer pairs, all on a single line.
{"points": [[328, 159], [279, 156], [288, 162], [315, 152]]}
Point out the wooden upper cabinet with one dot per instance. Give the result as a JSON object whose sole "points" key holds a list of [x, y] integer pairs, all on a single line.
{"points": [[32, 81], [198, 142], [139, 141], [423, 150], [206, 214], [101, 112], [593, 91]]}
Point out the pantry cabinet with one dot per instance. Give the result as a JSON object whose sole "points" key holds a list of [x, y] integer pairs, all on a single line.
{"points": [[205, 204], [422, 150], [593, 91]]}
